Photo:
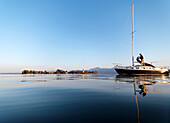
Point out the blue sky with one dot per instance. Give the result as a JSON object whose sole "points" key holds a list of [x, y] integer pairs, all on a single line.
{"points": [[81, 34]]}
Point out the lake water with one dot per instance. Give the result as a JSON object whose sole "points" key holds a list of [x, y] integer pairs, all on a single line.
{"points": [[84, 98]]}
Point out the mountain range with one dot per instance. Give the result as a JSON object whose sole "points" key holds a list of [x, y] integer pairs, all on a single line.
{"points": [[103, 70]]}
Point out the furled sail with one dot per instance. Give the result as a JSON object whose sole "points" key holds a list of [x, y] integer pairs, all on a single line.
{"points": [[146, 64]]}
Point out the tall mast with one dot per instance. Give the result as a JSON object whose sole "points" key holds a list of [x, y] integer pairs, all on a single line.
{"points": [[133, 34]]}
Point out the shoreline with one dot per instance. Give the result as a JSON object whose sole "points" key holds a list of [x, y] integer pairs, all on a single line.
{"points": [[58, 71]]}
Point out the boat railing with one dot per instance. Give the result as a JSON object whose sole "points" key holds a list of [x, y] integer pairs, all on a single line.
{"points": [[163, 67], [122, 67], [130, 67]]}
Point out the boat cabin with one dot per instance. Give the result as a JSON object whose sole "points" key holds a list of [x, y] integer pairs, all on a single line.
{"points": [[143, 67]]}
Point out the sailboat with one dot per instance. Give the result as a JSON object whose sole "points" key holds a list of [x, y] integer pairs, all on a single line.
{"points": [[143, 68]]}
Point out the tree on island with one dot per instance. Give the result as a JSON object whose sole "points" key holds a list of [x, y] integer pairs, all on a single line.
{"points": [[58, 71]]}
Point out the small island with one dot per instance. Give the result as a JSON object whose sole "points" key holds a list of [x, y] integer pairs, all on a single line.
{"points": [[58, 71]]}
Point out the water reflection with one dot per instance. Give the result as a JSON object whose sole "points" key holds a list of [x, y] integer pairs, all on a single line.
{"points": [[45, 78], [137, 102], [140, 85], [143, 79], [84, 98]]}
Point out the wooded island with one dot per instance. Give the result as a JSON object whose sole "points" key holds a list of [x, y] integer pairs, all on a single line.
{"points": [[58, 71]]}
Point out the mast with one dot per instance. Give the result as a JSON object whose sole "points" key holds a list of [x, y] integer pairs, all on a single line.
{"points": [[133, 34]]}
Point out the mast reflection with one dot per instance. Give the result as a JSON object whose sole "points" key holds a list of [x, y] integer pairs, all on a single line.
{"points": [[140, 84]]}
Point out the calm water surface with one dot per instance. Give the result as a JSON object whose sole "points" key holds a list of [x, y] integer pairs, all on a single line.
{"points": [[84, 98]]}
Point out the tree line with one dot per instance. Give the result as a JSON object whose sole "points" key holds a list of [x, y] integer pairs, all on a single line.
{"points": [[58, 71]]}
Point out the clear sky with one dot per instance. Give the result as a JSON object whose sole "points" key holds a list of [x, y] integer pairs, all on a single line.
{"points": [[81, 34]]}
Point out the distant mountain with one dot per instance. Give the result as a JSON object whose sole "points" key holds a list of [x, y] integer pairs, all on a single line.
{"points": [[103, 70]]}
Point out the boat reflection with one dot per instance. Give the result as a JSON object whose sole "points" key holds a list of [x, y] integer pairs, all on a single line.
{"points": [[137, 101], [150, 80], [142, 85]]}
